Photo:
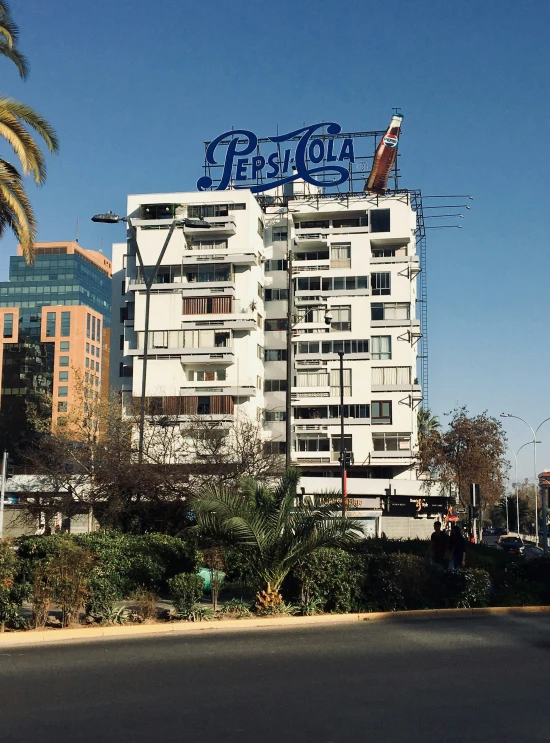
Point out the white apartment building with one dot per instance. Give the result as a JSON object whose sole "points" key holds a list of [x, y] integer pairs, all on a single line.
{"points": [[218, 332]]}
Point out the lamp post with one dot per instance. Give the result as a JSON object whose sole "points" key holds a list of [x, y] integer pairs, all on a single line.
{"points": [[534, 442], [148, 280], [528, 443]]}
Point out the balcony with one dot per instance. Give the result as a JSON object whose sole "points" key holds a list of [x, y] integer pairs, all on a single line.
{"points": [[217, 355], [311, 457], [310, 239], [404, 454], [218, 226], [299, 267], [308, 427], [246, 322], [229, 388], [202, 256]]}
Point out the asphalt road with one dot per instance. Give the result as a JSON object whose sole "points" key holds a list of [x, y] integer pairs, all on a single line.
{"points": [[431, 681]]}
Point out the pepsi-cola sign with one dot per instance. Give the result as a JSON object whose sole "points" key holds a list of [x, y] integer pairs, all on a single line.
{"points": [[244, 167]]}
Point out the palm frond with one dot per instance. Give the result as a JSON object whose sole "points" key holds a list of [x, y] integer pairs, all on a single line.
{"points": [[15, 209], [13, 54], [23, 145], [33, 119]]}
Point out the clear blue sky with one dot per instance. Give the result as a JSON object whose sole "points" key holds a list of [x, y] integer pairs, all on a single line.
{"points": [[134, 88]]}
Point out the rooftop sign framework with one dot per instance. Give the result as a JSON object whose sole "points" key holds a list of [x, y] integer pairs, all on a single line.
{"points": [[320, 154]]}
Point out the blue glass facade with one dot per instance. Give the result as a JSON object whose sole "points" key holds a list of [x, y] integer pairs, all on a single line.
{"points": [[55, 280]]}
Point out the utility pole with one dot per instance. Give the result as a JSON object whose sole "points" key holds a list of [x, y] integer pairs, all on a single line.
{"points": [[343, 453], [289, 364], [544, 487]]}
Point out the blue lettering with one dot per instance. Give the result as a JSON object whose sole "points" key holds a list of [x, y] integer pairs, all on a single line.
{"points": [[346, 153], [240, 172], [250, 144], [258, 163], [316, 144], [331, 157], [286, 160], [272, 160]]}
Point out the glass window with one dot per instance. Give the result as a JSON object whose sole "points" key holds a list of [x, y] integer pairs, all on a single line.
{"points": [[88, 345], [335, 382], [391, 375], [275, 385], [280, 234], [274, 295], [89, 321], [8, 325], [93, 328], [63, 361], [340, 255], [97, 366], [312, 443], [50, 324], [61, 407], [381, 347], [65, 323], [381, 412], [379, 220], [63, 391], [380, 283], [64, 346], [98, 329], [64, 376], [275, 415], [275, 354], [341, 318]]}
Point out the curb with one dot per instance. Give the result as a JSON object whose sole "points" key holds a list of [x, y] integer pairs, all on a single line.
{"points": [[53, 636]]}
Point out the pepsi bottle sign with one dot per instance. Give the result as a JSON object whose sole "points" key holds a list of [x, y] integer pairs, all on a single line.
{"points": [[313, 153]]}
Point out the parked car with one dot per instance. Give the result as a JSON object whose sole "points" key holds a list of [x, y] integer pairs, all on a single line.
{"points": [[512, 544]]}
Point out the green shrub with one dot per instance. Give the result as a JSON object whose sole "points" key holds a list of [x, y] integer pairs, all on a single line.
{"points": [[236, 608], [146, 602], [12, 594], [394, 582], [185, 590], [239, 578], [328, 580], [459, 589]]}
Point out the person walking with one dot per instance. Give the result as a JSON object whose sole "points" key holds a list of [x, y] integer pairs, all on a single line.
{"points": [[457, 546], [439, 545]]}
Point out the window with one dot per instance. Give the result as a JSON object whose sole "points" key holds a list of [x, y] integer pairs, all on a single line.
{"points": [[340, 255], [208, 273], [391, 375], [260, 321], [335, 382], [350, 411], [87, 377], [274, 295], [260, 351], [391, 441], [123, 316], [260, 291], [207, 305], [195, 244], [207, 210], [280, 235], [61, 407], [97, 366], [66, 324], [279, 324], [98, 334], [63, 391], [121, 342], [381, 413], [312, 255], [383, 252], [351, 222], [63, 361], [64, 376], [275, 447], [203, 406], [276, 265], [97, 351], [206, 375], [8, 325], [310, 378], [275, 415], [380, 283], [313, 443], [390, 311], [260, 227], [87, 363], [335, 446], [125, 371], [50, 324], [64, 346], [341, 318], [275, 354], [258, 383], [323, 223], [381, 347], [88, 347], [379, 220], [332, 283], [275, 385], [361, 346]]}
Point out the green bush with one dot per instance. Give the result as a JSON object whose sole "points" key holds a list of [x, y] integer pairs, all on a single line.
{"points": [[12, 594], [394, 582], [459, 589], [328, 580], [185, 590]]}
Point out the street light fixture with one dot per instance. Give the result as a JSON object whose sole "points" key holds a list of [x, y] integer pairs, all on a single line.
{"points": [[535, 483], [148, 279], [528, 443]]}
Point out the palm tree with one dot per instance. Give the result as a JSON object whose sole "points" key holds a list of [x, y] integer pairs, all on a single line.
{"points": [[269, 530], [428, 424], [15, 209]]}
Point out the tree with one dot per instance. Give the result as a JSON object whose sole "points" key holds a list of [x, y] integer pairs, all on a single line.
{"points": [[268, 529], [16, 212], [429, 439], [509, 502], [471, 450]]}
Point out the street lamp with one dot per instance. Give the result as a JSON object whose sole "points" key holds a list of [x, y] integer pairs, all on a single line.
{"points": [[534, 442], [516, 480], [148, 280]]}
